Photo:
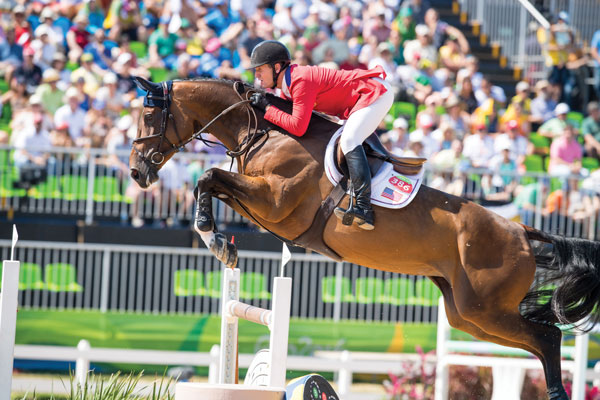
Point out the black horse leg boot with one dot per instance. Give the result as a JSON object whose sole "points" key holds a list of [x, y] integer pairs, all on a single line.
{"points": [[360, 175]]}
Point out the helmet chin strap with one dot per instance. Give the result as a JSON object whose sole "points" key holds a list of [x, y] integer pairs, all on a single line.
{"points": [[276, 74]]}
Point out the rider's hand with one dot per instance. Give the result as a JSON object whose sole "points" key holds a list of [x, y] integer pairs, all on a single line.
{"points": [[259, 101]]}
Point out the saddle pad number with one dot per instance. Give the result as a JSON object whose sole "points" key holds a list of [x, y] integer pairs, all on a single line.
{"points": [[402, 183]]}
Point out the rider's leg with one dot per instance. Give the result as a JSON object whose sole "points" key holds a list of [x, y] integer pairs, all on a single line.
{"points": [[361, 124]]}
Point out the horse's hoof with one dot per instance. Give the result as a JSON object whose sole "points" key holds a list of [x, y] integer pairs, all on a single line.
{"points": [[225, 251]]}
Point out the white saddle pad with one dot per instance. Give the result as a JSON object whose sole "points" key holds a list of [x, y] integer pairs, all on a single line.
{"points": [[389, 189]]}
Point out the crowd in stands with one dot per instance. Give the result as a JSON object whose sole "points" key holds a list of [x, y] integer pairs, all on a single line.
{"points": [[68, 67]]}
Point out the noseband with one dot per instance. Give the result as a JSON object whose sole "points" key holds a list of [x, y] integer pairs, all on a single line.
{"points": [[156, 157]]}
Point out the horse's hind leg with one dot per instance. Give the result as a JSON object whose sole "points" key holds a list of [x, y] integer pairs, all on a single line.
{"points": [[501, 322]]}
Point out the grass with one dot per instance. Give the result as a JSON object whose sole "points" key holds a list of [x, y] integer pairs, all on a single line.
{"points": [[113, 387]]}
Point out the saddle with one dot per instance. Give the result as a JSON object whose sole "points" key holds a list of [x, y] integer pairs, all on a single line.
{"points": [[377, 154]]}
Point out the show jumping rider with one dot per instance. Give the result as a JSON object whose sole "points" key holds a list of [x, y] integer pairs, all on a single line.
{"points": [[361, 97]]}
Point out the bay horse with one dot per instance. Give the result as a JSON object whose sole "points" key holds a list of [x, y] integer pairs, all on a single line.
{"points": [[496, 285]]}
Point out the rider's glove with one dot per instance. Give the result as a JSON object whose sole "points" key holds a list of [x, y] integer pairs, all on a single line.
{"points": [[259, 101]]}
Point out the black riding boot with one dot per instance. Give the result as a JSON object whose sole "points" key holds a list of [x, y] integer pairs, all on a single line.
{"points": [[360, 177]]}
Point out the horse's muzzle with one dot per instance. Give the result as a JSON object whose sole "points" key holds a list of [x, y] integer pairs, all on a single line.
{"points": [[144, 177]]}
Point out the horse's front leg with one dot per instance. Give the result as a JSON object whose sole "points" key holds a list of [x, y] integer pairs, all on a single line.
{"points": [[254, 192]]}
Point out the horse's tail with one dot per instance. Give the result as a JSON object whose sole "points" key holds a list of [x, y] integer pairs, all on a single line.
{"points": [[566, 288]]}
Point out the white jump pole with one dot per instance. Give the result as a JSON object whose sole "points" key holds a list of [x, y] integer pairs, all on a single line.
{"points": [[9, 298]]}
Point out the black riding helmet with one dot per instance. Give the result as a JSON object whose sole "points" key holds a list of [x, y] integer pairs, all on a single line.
{"points": [[269, 52]]}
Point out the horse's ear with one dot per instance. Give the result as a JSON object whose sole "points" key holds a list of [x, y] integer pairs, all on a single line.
{"points": [[145, 84]]}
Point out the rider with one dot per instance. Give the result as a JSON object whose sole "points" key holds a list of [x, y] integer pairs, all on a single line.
{"points": [[361, 97]]}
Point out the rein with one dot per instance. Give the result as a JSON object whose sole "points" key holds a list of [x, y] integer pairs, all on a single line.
{"points": [[157, 157]]}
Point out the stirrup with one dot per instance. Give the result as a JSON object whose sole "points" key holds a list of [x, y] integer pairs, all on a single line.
{"points": [[346, 216]]}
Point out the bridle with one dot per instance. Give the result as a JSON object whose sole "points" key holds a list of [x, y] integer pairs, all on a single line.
{"points": [[155, 157]]}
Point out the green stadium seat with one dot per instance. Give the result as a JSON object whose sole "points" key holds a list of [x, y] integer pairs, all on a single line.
{"points": [[328, 289], [590, 163], [158, 74], [189, 282], [369, 291], [399, 291], [6, 113], [404, 109], [426, 293], [106, 188], [253, 285], [139, 49], [50, 189], [73, 187], [4, 86], [575, 118], [71, 66], [534, 163], [214, 280], [30, 277], [539, 141], [9, 175], [60, 277]]}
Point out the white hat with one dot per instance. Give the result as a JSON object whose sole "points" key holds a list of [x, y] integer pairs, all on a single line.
{"points": [[561, 108], [426, 120], [50, 75], [109, 78], [72, 92], [124, 58], [35, 99], [422, 30], [124, 123], [521, 86], [47, 13], [400, 123]]}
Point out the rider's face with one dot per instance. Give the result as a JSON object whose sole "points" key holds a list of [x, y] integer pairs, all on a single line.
{"points": [[264, 74]]}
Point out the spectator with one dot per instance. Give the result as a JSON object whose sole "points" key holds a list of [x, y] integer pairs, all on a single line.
{"points": [[444, 135], [123, 20], [377, 26], [421, 47], [517, 145], [416, 148], [565, 154], [466, 95], [542, 106], [11, 53], [515, 112], [161, 46], [31, 144], [59, 62], [504, 166], [590, 129], [470, 70], [441, 32], [17, 96], [479, 147], [489, 91], [398, 136], [384, 58], [595, 52], [59, 136], [29, 71], [100, 49], [77, 38], [451, 56], [558, 43], [118, 142], [554, 127], [423, 135], [49, 92], [418, 9], [457, 118], [248, 40], [89, 72], [284, 20], [352, 61], [522, 90], [55, 34], [72, 114], [23, 33], [405, 25], [44, 48]]}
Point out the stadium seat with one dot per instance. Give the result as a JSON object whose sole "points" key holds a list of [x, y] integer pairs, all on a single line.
{"points": [[213, 284], [369, 291], [158, 74], [106, 188], [426, 293], [3, 86], [60, 277], [590, 163], [534, 163], [50, 189], [73, 187], [189, 282], [399, 291], [253, 285], [539, 141], [575, 118], [328, 289], [404, 109], [139, 49], [30, 277]]}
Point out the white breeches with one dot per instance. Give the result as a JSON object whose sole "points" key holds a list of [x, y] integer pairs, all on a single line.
{"points": [[362, 123]]}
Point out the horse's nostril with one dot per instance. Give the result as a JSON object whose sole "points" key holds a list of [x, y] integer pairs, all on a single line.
{"points": [[135, 174]]}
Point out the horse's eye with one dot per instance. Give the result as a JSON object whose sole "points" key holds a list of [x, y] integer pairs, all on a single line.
{"points": [[148, 119]]}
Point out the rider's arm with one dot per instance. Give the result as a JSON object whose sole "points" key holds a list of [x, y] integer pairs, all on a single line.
{"points": [[304, 95]]}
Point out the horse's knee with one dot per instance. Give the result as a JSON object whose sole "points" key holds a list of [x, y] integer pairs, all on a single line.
{"points": [[204, 182]]}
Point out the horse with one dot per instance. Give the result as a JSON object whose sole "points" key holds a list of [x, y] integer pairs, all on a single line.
{"points": [[502, 281]]}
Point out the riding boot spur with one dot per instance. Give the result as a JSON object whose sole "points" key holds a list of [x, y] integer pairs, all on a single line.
{"points": [[203, 219], [360, 177]]}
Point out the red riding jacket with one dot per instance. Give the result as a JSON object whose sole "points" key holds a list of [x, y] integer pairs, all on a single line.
{"points": [[333, 92]]}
